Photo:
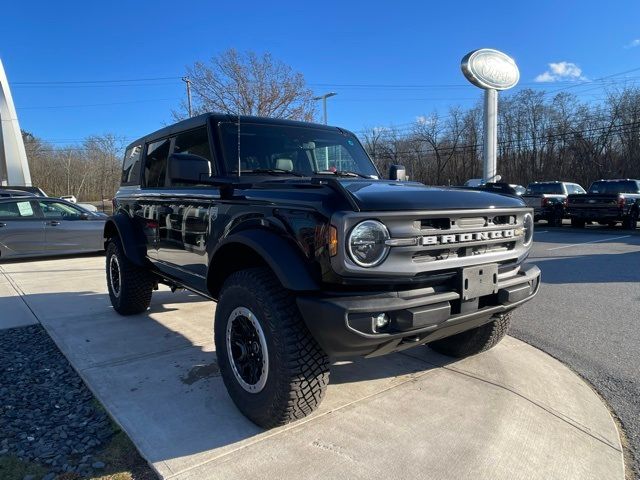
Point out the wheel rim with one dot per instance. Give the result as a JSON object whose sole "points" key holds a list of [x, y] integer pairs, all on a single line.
{"points": [[247, 350], [114, 275]]}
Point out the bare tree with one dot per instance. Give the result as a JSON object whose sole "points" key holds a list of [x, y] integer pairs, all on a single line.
{"points": [[249, 84]]}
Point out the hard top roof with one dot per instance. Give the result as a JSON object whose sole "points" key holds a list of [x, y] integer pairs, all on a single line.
{"points": [[201, 120]]}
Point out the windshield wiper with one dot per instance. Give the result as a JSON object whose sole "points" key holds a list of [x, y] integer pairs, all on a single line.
{"points": [[344, 173], [273, 171]]}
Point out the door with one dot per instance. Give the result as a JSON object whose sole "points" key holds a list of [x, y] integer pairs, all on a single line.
{"points": [[67, 228], [152, 209], [186, 212], [21, 228]]}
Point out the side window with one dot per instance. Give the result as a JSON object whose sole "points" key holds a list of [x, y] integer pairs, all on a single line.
{"points": [[193, 156], [16, 210], [194, 142], [155, 166], [59, 211], [131, 166]]}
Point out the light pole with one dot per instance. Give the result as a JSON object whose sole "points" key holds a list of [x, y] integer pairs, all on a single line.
{"points": [[324, 103], [187, 80]]}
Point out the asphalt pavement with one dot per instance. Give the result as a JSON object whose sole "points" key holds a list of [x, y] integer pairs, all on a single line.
{"points": [[587, 314]]}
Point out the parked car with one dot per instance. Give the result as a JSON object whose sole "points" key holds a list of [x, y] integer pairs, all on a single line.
{"points": [[607, 202], [5, 193], [309, 254], [549, 200], [32, 190], [502, 188], [34, 226], [69, 198], [495, 187]]}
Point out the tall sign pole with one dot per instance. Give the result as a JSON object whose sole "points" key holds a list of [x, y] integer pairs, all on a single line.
{"points": [[14, 169], [492, 71]]}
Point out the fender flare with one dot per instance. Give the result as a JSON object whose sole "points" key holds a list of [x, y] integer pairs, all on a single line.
{"points": [[283, 257], [132, 239]]}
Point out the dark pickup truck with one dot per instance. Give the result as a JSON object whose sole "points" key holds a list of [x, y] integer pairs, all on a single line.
{"points": [[549, 200], [607, 202], [309, 254]]}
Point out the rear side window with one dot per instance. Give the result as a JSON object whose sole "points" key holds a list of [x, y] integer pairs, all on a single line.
{"points": [[16, 210], [131, 166], [155, 165]]}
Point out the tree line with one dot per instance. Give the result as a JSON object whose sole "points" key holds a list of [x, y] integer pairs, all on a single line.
{"points": [[90, 170], [540, 137]]}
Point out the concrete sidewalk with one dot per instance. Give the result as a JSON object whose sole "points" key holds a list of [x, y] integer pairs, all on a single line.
{"points": [[513, 412]]}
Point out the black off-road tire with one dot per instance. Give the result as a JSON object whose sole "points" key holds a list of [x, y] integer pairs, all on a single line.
{"points": [[132, 294], [577, 223], [474, 341], [297, 373], [630, 222]]}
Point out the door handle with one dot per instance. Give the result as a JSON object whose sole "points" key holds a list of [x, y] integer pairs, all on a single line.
{"points": [[54, 223]]}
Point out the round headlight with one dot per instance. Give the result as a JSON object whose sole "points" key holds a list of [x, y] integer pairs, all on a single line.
{"points": [[527, 223], [366, 243]]}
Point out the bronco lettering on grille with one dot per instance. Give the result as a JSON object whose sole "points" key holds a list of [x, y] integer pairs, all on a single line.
{"points": [[468, 237]]}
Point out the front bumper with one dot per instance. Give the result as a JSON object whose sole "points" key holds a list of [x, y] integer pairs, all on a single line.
{"points": [[343, 325]]}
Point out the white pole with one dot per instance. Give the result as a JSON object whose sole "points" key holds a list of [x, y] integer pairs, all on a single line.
{"points": [[490, 134]]}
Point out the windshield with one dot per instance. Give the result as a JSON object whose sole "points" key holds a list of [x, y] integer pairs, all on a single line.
{"points": [[540, 188], [291, 149], [624, 186]]}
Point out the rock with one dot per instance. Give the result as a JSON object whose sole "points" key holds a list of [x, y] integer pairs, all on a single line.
{"points": [[98, 465], [29, 477], [49, 476]]}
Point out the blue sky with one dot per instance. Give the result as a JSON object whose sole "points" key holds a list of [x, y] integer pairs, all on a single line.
{"points": [[385, 48]]}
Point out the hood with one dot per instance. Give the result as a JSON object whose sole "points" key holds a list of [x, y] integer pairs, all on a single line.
{"points": [[390, 195]]}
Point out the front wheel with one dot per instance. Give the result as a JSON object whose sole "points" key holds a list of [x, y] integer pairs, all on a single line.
{"points": [[474, 341], [130, 286], [274, 370]]}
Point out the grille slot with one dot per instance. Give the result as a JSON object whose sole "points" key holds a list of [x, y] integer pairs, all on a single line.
{"points": [[471, 222], [435, 224]]}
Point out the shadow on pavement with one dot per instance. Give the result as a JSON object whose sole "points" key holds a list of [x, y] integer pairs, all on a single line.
{"points": [[157, 372]]}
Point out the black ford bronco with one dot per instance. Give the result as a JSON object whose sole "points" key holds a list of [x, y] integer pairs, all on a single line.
{"points": [[309, 254]]}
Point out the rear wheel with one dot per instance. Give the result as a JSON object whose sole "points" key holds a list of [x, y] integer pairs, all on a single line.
{"points": [[474, 341], [274, 370], [130, 286], [577, 223], [630, 222], [555, 220]]}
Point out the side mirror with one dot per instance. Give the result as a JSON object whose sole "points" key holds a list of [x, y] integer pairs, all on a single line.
{"points": [[185, 168], [84, 216], [397, 172]]}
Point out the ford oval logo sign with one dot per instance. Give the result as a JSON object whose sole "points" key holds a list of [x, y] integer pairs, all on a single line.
{"points": [[490, 69]]}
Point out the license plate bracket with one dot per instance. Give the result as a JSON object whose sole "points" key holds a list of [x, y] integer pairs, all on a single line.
{"points": [[479, 281]]}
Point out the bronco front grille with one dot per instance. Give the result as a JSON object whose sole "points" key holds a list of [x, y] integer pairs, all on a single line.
{"points": [[423, 242]]}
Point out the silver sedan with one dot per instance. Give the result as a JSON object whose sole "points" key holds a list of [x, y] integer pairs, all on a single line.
{"points": [[35, 226]]}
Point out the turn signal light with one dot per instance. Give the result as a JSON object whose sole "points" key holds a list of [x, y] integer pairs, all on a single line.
{"points": [[332, 241]]}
